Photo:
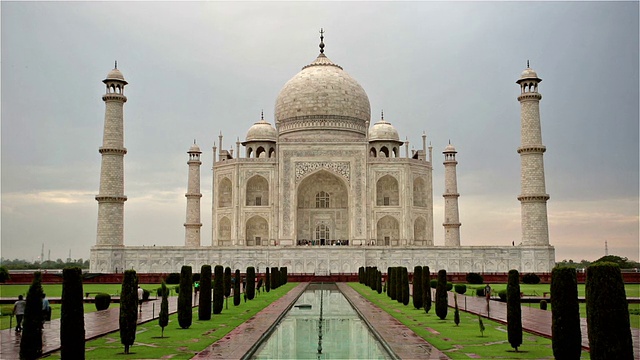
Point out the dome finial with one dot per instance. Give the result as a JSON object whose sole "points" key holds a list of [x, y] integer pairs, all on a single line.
{"points": [[194, 141], [116, 65], [262, 114], [527, 63], [382, 114], [321, 41]]}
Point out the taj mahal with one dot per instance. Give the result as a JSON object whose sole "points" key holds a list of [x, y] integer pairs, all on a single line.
{"points": [[323, 190]]}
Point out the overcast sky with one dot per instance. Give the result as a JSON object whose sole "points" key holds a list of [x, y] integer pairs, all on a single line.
{"points": [[195, 69]]}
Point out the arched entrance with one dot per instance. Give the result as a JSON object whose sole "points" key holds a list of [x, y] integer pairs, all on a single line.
{"points": [[322, 213]]}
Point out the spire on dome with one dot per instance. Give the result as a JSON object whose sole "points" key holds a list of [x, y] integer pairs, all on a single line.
{"points": [[527, 63], [382, 115], [116, 65], [321, 41], [262, 115]]}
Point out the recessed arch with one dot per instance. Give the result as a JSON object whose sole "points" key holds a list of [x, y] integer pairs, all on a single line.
{"points": [[388, 231], [257, 193], [225, 193], [384, 151], [387, 191], [224, 231], [419, 192], [420, 231], [257, 231]]}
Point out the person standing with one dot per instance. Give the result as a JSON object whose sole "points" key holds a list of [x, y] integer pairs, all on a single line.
{"points": [[46, 309], [18, 311]]}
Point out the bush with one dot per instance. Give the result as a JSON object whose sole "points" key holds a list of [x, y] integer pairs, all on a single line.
{"points": [[391, 279], [449, 286], [426, 289], [433, 283], [72, 315], [227, 285], [565, 316], [185, 298], [128, 309], [543, 304], [163, 317], [251, 283], [405, 286], [267, 281], [236, 288], [607, 313], [218, 289], [480, 291], [502, 294], [102, 301], [4, 274], [461, 288], [475, 278], [441, 295], [417, 287], [173, 278], [204, 299], [398, 282], [514, 310], [145, 294], [531, 278], [195, 277], [31, 342]]}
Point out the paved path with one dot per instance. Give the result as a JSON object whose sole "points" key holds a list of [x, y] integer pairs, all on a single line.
{"points": [[96, 324], [534, 320]]}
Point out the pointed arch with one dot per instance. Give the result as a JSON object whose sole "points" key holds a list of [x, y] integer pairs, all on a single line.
{"points": [[257, 231], [387, 191], [225, 193], [257, 191], [388, 231], [420, 231], [419, 192], [224, 231]]}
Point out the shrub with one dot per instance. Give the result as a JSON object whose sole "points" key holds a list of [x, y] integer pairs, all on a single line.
{"points": [[4, 274], [456, 312], [433, 283], [163, 317], [227, 285], [236, 288], [388, 282], [128, 309], [72, 317], [461, 288], [417, 287], [607, 313], [145, 294], [543, 306], [361, 275], [392, 283], [267, 281], [398, 282], [31, 342], [441, 295], [204, 299], [480, 291], [196, 277], [274, 278], [218, 289], [502, 294], [173, 278], [405, 286], [531, 278], [102, 301], [449, 286], [426, 289], [514, 311], [475, 278], [185, 298], [251, 282], [379, 282]]}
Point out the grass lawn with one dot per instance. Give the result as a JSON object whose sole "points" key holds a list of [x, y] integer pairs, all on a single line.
{"points": [[459, 342], [180, 343]]}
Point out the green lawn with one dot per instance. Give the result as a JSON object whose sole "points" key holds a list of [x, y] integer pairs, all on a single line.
{"points": [[463, 341], [181, 343]]}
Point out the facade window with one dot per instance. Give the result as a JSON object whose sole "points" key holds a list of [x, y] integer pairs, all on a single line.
{"points": [[322, 233], [258, 240], [322, 200], [386, 201], [387, 241], [259, 201]]}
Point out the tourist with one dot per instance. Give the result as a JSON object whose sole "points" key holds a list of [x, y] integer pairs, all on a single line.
{"points": [[18, 311], [46, 309]]}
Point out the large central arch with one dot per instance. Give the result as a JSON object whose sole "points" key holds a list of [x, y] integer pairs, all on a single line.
{"points": [[322, 203]]}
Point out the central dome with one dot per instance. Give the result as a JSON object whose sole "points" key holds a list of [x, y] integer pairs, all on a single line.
{"points": [[322, 100]]}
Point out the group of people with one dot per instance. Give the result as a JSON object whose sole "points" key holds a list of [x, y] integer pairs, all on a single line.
{"points": [[20, 306]]}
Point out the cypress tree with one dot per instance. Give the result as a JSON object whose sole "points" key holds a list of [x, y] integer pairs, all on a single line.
{"points": [[128, 309], [426, 288], [283, 275], [565, 315], [386, 283], [185, 298], [456, 312], [31, 342], [417, 287], [227, 286], [360, 274], [204, 304], [236, 288], [441, 295], [267, 281], [607, 313], [163, 317], [392, 283], [251, 282], [72, 318], [398, 282], [405, 286], [218, 289], [379, 281], [514, 311], [274, 278]]}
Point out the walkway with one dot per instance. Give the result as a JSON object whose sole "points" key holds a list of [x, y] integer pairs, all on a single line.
{"points": [[534, 320], [96, 324]]}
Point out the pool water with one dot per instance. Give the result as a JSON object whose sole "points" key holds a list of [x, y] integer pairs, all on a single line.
{"points": [[344, 334]]}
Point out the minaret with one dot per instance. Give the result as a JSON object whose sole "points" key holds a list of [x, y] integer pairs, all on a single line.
{"points": [[533, 196], [192, 225], [111, 197], [451, 218]]}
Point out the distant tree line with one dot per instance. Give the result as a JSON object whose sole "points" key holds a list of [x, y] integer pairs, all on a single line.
{"points": [[622, 262], [20, 264]]}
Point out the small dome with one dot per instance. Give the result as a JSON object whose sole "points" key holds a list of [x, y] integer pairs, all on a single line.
{"points": [[450, 149], [261, 131], [528, 73], [115, 74], [195, 148], [383, 131]]}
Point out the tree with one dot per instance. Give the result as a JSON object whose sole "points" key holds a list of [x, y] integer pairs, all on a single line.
{"points": [[405, 286], [236, 288], [388, 282], [185, 299], [622, 262], [4, 274], [31, 342], [72, 315], [417, 287], [218, 289], [398, 282], [274, 278], [565, 316], [607, 313], [227, 286], [441, 295], [514, 311], [267, 285], [251, 282], [128, 309], [379, 281], [426, 288], [481, 325], [163, 317], [204, 300], [456, 311], [360, 275]]}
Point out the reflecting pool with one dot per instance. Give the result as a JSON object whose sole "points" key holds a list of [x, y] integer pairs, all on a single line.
{"points": [[343, 334]]}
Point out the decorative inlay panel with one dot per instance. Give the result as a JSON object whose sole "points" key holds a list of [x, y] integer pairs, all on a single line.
{"points": [[341, 168]]}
